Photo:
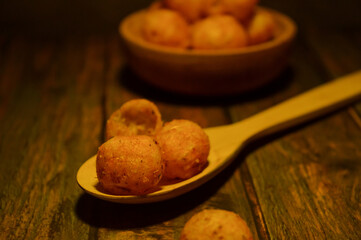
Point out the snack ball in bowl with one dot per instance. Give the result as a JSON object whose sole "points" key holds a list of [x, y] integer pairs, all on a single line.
{"points": [[260, 27], [218, 32], [207, 72], [165, 27], [191, 10], [240, 9], [129, 165]]}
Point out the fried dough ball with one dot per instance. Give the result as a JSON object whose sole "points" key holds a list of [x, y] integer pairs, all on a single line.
{"points": [[261, 27], [216, 224], [216, 9], [240, 9], [218, 32], [155, 5], [192, 10], [129, 165], [184, 147], [135, 117], [166, 27]]}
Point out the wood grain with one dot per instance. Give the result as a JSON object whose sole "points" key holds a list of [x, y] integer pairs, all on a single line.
{"points": [[41, 134], [322, 189], [315, 162], [56, 93]]}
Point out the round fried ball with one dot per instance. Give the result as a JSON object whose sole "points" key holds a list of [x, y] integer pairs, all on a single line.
{"points": [[184, 147], [135, 117], [240, 9], [218, 32], [166, 27], [261, 27], [215, 9], [156, 5], [129, 165], [216, 224], [191, 10]]}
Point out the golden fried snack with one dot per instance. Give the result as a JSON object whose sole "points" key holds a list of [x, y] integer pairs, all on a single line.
{"points": [[135, 117], [184, 147], [215, 9], [156, 5], [240, 9], [216, 224], [218, 32], [261, 27], [192, 10], [129, 165], [165, 27]]}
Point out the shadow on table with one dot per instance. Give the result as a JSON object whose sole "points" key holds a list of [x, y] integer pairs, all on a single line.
{"points": [[129, 80]]}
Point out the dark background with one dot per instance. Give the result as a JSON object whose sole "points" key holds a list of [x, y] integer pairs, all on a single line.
{"points": [[59, 17]]}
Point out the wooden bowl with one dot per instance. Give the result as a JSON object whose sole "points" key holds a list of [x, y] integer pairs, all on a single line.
{"points": [[207, 72]]}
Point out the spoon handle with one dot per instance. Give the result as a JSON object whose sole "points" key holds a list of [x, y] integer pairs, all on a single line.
{"points": [[314, 103]]}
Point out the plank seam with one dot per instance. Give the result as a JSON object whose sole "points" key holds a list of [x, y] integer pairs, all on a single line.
{"points": [[252, 197], [355, 116]]}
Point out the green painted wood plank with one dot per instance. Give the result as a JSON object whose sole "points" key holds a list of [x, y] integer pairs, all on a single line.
{"points": [[51, 125], [307, 181]]}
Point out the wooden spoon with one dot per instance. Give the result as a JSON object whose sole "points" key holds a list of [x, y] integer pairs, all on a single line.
{"points": [[226, 141]]}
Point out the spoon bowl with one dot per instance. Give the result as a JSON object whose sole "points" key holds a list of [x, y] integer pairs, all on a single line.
{"points": [[87, 179], [226, 141]]}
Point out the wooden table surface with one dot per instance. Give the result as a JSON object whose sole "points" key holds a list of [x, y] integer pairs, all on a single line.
{"points": [[56, 92]]}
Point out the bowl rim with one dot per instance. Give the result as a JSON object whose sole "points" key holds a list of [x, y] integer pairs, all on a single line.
{"points": [[286, 35]]}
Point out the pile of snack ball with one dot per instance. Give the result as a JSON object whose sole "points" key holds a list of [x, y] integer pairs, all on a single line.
{"points": [[207, 24], [140, 150]]}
